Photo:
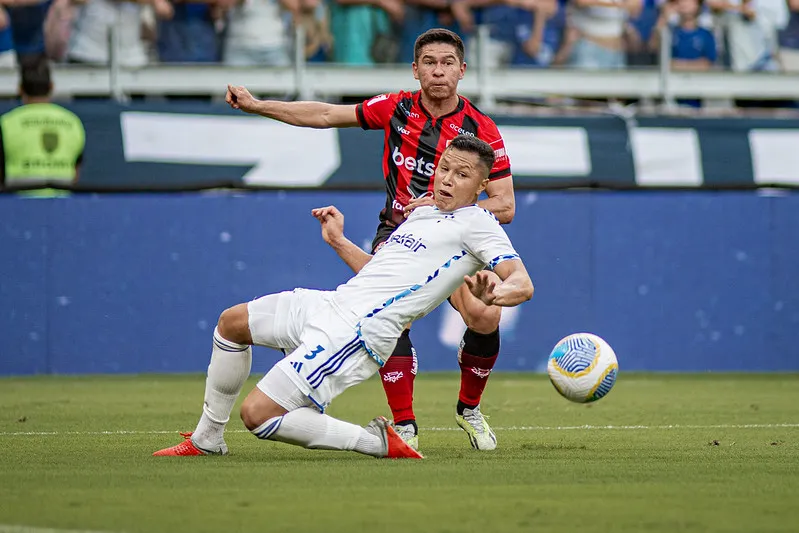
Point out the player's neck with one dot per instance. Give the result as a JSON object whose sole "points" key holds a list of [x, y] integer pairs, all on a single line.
{"points": [[438, 108], [35, 99]]}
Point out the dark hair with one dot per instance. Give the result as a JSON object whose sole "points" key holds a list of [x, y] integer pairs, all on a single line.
{"points": [[473, 145], [35, 76], [435, 36]]}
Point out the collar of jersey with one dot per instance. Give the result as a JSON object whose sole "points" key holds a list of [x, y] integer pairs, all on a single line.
{"points": [[458, 209], [458, 109]]}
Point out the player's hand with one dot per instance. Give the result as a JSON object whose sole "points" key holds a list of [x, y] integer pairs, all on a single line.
{"points": [[483, 286], [332, 223], [240, 98], [418, 202]]}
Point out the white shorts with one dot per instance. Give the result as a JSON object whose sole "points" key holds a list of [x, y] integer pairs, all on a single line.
{"points": [[324, 354]]}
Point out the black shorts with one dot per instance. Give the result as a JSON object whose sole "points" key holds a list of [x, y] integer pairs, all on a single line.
{"points": [[384, 231]]}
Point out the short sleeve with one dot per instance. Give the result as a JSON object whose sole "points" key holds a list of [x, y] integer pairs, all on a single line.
{"points": [[486, 240], [490, 134], [376, 113]]}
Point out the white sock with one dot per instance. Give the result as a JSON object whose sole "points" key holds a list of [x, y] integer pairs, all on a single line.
{"points": [[228, 370], [309, 428]]}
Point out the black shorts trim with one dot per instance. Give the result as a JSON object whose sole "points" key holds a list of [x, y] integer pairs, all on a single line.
{"points": [[384, 231]]}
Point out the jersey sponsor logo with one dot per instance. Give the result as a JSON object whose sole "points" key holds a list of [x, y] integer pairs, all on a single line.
{"points": [[408, 240], [397, 206], [376, 99], [408, 112], [403, 131], [500, 154], [411, 163], [460, 130], [393, 377]]}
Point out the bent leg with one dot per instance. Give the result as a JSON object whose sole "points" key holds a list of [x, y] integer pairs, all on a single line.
{"points": [[277, 410], [479, 348], [397, 377], [477, 356], [231, 360], [274, 321], [264, 321]]}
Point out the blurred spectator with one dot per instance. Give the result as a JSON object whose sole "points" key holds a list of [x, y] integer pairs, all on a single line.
{"points": [[540, 25], [89, 41], [39, 141], [751, 27], [642, 43], [363, 31], [7, 54], [692, 47], [27, 25], [638, 35], [256, 34], [597, 28], [500, 17], [314, 18], [423, 15], [190, 35], [789, 40], [58, 28]]}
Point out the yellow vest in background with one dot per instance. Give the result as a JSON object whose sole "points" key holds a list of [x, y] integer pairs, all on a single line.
{"points": [[41, 142]]}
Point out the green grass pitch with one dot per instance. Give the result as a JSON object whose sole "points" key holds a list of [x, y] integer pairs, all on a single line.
{"points": [[684, 453]]}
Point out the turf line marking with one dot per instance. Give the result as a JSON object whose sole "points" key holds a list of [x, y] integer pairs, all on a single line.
{"points": [[30, 529], [507, 428]]}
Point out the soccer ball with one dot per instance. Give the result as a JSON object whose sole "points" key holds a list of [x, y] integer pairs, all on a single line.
{"points": [[582, 367]]}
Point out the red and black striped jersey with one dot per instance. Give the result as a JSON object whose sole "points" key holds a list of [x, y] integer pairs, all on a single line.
{"points": [[414, 142]]}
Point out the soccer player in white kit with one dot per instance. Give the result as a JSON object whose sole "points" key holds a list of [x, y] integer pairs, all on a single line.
{"points": [[337, 339]]}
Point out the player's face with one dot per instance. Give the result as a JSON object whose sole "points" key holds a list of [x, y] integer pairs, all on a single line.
{"points": [[460, 178], [438, 70]]}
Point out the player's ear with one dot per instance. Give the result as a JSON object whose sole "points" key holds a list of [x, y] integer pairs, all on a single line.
{"points": [[482, 187], [415, 70], [463, 70]]}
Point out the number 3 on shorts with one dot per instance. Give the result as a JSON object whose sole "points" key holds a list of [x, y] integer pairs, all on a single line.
{"points": [[316, 351]]}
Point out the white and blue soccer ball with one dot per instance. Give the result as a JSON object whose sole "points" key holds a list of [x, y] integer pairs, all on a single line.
{"points": [[582, 367]]}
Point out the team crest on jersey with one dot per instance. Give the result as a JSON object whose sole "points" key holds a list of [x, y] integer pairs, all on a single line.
{"points": [[481, 373], [376, 99], [393, 377], [49, 141]]}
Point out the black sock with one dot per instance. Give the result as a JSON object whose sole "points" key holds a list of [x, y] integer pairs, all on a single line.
{"points": [[477, 350], [409, 423], [462, 406]]}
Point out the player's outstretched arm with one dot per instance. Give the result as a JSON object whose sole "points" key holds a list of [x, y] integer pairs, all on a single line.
{"points": [[319, 115], [516, 286], [333, 233]]}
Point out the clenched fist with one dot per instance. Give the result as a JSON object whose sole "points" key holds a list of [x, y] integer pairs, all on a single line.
{"points": [[332, 223]]}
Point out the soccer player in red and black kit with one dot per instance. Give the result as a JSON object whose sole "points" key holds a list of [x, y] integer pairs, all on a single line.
{"points": [[418, 127]]}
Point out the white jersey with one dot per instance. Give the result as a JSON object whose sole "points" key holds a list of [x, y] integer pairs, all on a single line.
{"points": [[420, 266]]}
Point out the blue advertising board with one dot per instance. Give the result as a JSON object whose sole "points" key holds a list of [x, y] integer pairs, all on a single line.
{"points": [[674, 281]]}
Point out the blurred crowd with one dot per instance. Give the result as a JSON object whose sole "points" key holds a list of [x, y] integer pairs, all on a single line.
{"points": [[742, 35]]}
